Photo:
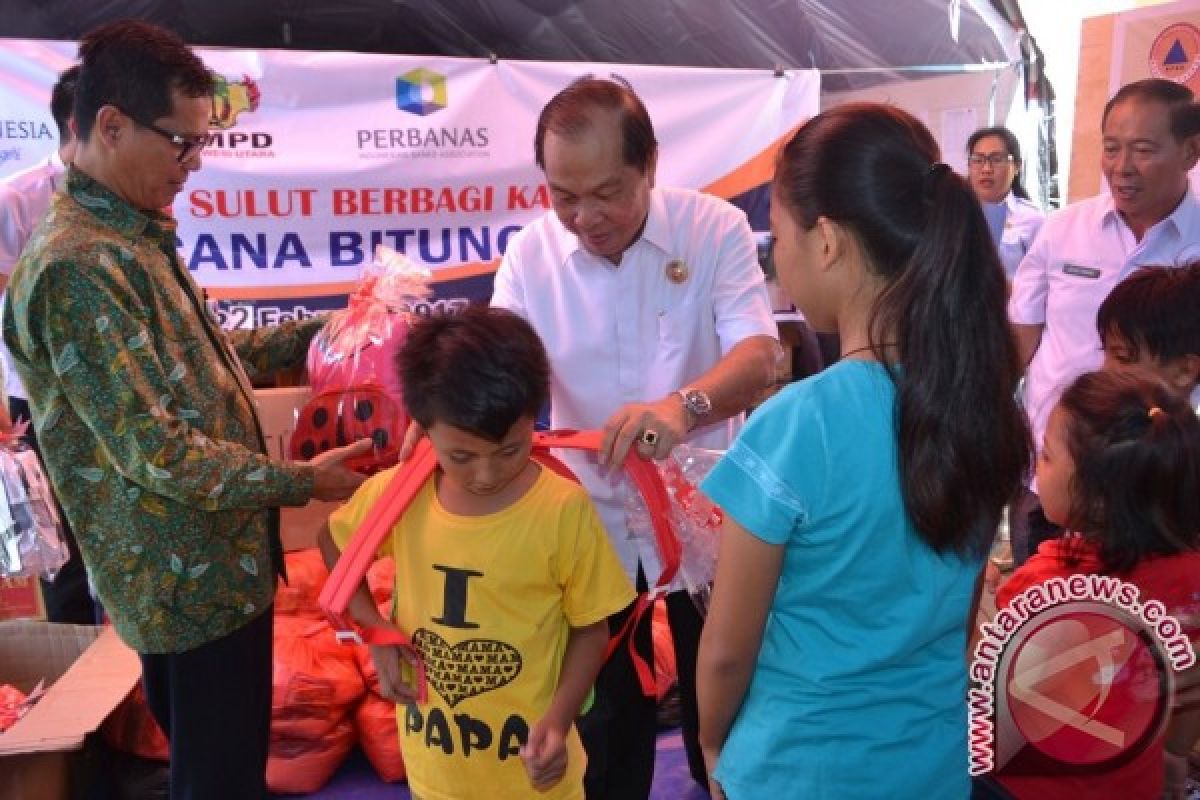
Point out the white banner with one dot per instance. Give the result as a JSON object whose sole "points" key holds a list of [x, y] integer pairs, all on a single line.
{"points": [[317, 157]]}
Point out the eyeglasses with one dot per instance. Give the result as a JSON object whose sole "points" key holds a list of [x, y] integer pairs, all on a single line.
{"points": [[188, 145], [995, 159]]}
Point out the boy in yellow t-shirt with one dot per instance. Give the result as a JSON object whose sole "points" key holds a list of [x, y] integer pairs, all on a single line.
{"points": [[505, 578]]}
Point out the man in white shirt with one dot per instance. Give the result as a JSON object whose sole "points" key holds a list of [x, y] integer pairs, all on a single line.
{"points": [[1148, 217], [654, 312], [24, 198]]}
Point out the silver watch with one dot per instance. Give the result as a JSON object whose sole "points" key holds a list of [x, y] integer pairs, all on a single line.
{"points": [[697, 403]]}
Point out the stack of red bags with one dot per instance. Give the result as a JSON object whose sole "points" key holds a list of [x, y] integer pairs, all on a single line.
{"points": [[324, 695]]}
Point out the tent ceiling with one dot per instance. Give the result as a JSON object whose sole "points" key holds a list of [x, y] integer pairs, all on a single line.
{"points": [[756, 34]]}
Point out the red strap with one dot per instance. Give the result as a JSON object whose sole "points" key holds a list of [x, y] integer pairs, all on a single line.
{"points": [[649, 483], [352, 567]]}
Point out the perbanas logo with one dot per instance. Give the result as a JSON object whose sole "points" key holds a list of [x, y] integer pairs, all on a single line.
{"points": [[422, 93], [1077, 671]]}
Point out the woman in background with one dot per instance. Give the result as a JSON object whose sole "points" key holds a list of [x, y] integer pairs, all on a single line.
{"points": [[994, 171]]}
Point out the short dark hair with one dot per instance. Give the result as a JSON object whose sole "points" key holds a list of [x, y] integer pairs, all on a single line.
{"points": [[1136, 450], [1011, 145], [62, 101], [1157, 308], [963, 442], [481, 370], [571, 111], [1179, 100], [135, 66]]}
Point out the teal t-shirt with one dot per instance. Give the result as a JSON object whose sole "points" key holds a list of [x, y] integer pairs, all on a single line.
{"points": [[860, 687]]}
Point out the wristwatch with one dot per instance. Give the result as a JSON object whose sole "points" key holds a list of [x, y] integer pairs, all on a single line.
{"points": [[697, 404]]}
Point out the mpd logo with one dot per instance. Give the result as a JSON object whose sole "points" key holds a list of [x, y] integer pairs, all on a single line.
{"points": [[231, 98], [421, 92]]}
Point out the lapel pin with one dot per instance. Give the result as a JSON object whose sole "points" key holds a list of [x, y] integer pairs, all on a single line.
{"points": [[677, 271]]}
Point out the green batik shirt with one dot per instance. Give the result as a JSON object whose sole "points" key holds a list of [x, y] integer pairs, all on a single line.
{"points": [[146, 421]]}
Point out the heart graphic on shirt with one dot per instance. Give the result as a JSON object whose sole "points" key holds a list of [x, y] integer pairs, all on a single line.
{"points": [[466, 669]]}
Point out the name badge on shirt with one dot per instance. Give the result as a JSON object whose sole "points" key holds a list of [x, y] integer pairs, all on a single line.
{"points": [[1081, 271]]}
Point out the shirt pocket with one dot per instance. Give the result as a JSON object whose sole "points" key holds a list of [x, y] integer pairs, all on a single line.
{"points": [[679, 328], [1077, 286]]}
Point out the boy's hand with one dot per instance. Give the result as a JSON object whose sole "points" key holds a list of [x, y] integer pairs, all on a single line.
{"points": [[331, 479], [545, 755], [389, 663]]}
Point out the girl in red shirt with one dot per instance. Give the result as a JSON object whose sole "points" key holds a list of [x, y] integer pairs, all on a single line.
{"points": [[1120, 471]]}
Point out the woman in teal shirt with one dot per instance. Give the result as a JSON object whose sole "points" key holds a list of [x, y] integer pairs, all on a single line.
{"points": [[860, 502]]}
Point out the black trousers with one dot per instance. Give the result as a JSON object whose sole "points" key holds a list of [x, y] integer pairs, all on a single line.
{"points": [[214, 705], [619, 732], [67, 597]]}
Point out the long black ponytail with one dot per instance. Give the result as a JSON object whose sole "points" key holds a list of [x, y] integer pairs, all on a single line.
{"points": [[963, 441]]}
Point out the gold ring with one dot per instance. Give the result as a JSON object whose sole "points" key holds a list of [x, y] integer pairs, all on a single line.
{"points": [[649, 437]]}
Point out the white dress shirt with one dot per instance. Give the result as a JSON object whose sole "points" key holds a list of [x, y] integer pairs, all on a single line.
{"points": [[1082, 252], [628, 333], [24, 198], [1021, 226]]}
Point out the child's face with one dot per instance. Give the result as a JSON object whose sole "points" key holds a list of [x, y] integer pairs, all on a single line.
{"points": [[1055, 468], [1119, 356], [478, 466]]}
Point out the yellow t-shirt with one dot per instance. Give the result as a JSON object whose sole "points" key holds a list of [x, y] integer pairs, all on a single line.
{"points": [[489, 602]]}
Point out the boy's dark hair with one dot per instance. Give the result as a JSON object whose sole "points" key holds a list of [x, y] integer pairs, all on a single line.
{"points": [[1179, 100], [1157, 308], [135, 66], [1012, 145], [1136, 450], [480, 370], [572, 111], [963, 442], [62, 101]]}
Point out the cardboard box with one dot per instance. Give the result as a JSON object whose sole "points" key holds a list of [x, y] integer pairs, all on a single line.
{"points": [[88, 669], [277, 409]]}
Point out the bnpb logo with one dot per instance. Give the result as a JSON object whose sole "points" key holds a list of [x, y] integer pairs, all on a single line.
{"points": [[1175, 53], [231, 98], [421, 92]]}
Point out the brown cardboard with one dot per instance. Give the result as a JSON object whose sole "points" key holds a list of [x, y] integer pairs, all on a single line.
{"points": [[88, 670]]}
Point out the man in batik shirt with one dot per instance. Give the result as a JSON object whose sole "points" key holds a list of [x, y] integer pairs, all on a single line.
{"points": [[147, 418]]}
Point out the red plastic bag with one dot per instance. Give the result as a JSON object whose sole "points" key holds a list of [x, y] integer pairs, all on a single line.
{"points": [[131, 728], [302, 765], [379, 736], [11, 701], [315, 681], [665, 671], [306, 575]]}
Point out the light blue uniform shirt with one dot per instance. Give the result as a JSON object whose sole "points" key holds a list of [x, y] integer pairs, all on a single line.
{"points": [[1014, 223], [860, 687]]}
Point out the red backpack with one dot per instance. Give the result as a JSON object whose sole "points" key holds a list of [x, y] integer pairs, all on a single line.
{"points": [[356, 559]]}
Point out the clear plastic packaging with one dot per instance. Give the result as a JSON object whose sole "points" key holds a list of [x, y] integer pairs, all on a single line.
{"points": [[358, 345], [31, 535], [695, 519]]}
